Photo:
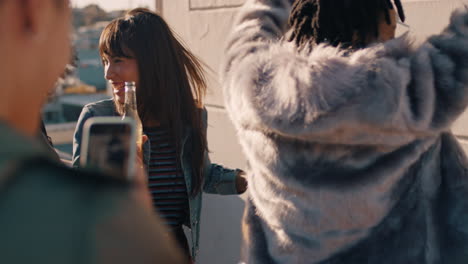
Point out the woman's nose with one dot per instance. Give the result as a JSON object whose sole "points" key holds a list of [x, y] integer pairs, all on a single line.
{"points": [[108, 72]]}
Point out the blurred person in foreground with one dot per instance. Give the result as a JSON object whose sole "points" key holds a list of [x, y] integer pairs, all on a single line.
{"points": [[347, 132], [49, 213], [170, 85]]}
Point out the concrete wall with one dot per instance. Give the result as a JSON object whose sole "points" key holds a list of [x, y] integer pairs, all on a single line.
{"points": [[203, 25]]}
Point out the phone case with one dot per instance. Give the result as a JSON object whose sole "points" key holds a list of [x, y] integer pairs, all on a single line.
{"points": [[109, 122]]}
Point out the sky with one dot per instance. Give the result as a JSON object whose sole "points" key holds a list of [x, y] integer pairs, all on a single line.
{"points": [[109, 5]]}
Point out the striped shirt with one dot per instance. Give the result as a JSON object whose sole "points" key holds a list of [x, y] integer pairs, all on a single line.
{"points": [[166, 179]]}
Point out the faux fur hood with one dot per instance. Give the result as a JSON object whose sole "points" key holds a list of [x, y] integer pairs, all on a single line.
{"points": [[342, 145]]}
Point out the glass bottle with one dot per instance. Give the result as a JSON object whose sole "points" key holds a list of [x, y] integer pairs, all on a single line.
{"points": [[131, 110]]}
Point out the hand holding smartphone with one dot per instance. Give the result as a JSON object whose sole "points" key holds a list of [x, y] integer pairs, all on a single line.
{"points": [[109, 145]]}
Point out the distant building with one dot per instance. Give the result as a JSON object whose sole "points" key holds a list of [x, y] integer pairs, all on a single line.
{"points": [[90, 69]]}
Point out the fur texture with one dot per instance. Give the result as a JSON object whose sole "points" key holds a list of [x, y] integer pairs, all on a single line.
{"points": [[345, 149]]}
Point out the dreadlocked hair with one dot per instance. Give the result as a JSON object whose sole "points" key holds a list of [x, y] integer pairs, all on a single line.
{"points": [[344, 23]]}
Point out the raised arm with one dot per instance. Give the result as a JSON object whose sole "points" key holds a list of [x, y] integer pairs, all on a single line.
{"points": [[388, 94]]}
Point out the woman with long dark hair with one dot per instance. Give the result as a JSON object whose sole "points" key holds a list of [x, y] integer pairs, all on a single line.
{"points": [[170, 83]]}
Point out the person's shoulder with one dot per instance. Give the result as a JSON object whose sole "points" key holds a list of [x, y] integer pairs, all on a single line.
{"points": [[78, 208], [91, 195], [42, 176], [119, 220], [102, 107]]}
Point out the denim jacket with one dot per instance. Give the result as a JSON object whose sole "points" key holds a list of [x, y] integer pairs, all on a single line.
{"points": [[217, 179]]}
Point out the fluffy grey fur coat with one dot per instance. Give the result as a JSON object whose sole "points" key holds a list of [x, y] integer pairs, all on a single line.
{"points": [[351, 156]]}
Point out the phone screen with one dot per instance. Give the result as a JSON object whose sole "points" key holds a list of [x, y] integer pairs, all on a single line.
{"points": [[109, 148]]}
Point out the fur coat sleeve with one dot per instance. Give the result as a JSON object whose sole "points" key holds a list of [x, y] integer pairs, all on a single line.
{"points": [[387, 94]]}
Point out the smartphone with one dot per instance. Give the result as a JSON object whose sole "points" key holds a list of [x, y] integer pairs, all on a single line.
{"points": [[109, 145]]}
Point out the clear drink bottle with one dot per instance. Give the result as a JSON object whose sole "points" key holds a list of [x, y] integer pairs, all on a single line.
{"points": [[130, 110]]}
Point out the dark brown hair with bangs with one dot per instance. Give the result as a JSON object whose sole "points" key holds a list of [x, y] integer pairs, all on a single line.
{"points": [[171, 79]]}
